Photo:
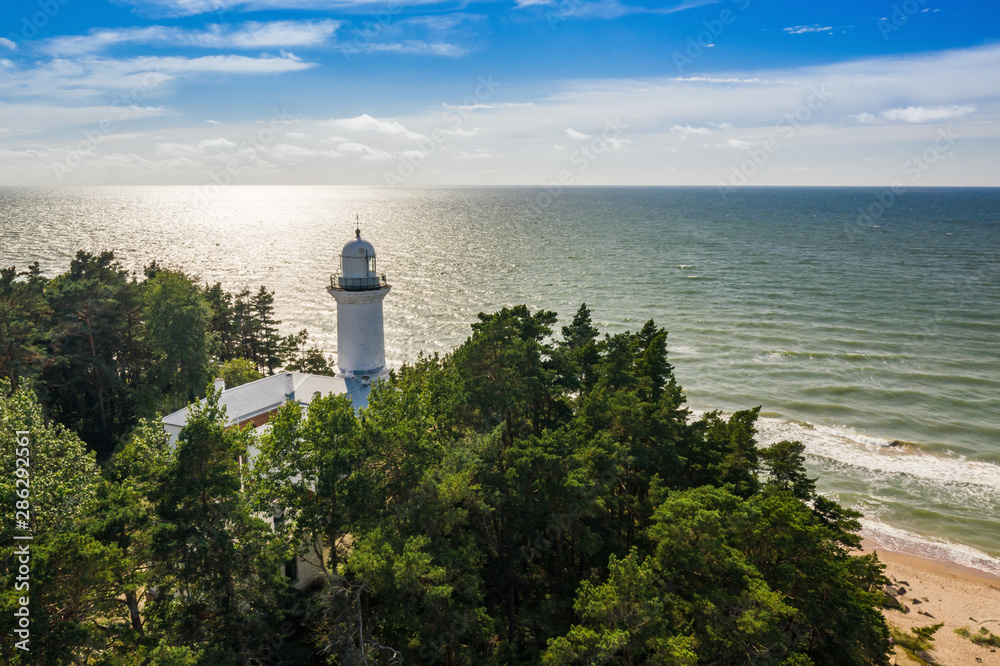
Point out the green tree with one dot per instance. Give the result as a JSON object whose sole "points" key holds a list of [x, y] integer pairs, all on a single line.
{"points": [[309, 471], [265, 327], [627, 619], [784, 464], [216, 579], [70, 591], [297, 356], [581, 350], [224, 336], [94, 343], [238, 371], [177, 322], [506, 374], [24, 323], [123, 515]]}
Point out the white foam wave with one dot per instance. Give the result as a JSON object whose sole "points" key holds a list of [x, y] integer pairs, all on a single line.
{"points": [[847, 446], [683, 349], [897, 540], [887, 467]]}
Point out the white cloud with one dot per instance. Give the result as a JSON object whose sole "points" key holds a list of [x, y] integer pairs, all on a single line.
{"points": [[803, 29], [365, 123], [249, 35], [477, 154], [687, 130], [366, 152], [218, 142], [275, 33], [7, 43], [616, 142], [173, 149], [610, 9], [33, 118], [917, 114], [194, 7], [96, 76], [409, 47], [213, 122], [289, 152], [582, 9], [485, 107], [920, 114], [464, 132], [711, 79], [653, 113], [573, 134]]}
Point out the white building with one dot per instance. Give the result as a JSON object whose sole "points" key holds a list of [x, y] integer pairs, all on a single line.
{"points": [[359, 291]]}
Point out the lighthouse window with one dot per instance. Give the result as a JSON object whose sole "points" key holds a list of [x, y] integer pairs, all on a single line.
{"points": [[371, 264]]}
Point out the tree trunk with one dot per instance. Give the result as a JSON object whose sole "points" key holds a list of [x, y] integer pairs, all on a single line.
{"points": [[133, 612], [97, 379]]}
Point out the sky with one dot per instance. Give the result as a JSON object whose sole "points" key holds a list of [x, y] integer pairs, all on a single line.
{"points": [[552, 93]]}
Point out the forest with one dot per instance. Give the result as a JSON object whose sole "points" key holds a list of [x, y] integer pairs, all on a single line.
{"points": [[105, 348], [540, 495]]}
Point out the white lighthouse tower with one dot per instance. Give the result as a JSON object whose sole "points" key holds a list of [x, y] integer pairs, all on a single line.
{"points": [[359, 291]]}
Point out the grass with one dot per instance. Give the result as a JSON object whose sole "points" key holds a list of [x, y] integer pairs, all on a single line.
{"points": [[985, 637], [915, 644]]}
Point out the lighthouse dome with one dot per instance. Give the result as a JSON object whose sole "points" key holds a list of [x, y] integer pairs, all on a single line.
{"points": [[358, 247], [358, 269]]}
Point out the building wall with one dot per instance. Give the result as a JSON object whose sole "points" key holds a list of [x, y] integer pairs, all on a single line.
{"points": [[257, 421]]}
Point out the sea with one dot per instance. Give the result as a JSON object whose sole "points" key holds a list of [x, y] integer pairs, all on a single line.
{"points": [[864, 322]]}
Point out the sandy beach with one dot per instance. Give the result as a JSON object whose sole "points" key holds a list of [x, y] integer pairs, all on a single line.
{"points": [[938, 591]]}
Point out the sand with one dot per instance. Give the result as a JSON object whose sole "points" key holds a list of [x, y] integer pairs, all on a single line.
{"points": [[955, 595]]}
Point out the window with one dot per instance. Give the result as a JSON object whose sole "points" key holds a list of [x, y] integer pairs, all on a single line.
{"points": [[292, 568]]}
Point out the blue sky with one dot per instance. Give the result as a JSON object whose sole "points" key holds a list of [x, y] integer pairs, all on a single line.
{"points": [[728, 93]]}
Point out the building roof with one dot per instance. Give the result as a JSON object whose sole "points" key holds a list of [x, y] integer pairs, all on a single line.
{"points": [[264, 395]]}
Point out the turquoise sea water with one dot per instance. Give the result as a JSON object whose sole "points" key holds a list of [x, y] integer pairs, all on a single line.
{"points": [[852, 331]]}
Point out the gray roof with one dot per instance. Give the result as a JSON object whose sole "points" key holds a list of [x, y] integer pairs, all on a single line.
{"points": [[261, 396]]}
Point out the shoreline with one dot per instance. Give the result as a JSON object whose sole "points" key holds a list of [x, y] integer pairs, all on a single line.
{"points": [[941, 591]]}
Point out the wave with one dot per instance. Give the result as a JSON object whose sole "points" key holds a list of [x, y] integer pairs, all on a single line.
{"points": [[885, 478], [683, 349], [847, 446], [900, 541]]}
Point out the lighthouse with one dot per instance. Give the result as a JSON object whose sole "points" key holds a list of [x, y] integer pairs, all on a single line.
{"points": [[359, 290]]}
